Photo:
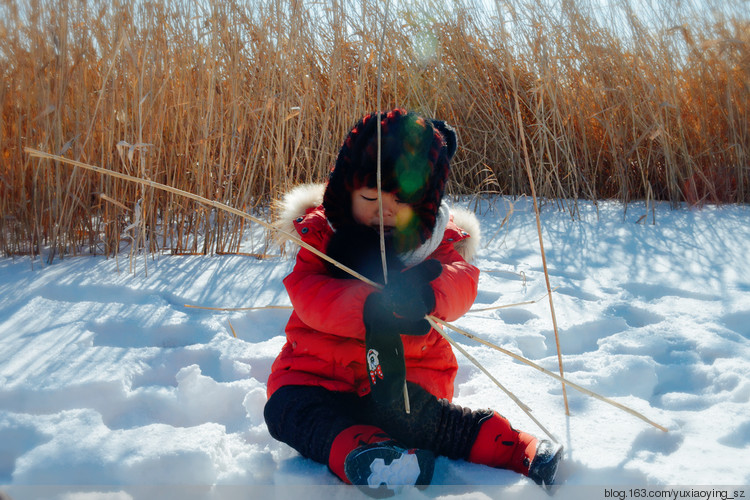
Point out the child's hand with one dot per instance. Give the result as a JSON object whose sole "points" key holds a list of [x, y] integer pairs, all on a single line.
{"points": [[380, 320], [400, 308], [409, 294]]}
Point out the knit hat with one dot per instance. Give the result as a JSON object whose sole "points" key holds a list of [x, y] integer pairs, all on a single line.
{"points": [[415, 163]]}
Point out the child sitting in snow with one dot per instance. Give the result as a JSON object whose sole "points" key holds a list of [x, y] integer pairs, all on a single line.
{"points": [[336, 391]]}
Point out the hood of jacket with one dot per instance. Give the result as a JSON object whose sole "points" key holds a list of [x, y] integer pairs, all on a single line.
{"points": [[300, 200]]}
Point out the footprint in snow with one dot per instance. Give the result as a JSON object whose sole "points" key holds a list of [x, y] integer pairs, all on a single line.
{"points": [[635, 317], [738, 322], [16, 441], [515, 316], [577, 293], [739, 437], [654, 292], [132, 335]]}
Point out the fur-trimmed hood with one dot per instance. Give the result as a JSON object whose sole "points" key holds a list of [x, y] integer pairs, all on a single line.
{"points": [[299, 200]]}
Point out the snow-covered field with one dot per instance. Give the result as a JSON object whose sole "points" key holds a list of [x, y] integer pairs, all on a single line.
{"points": [[111, 388]]}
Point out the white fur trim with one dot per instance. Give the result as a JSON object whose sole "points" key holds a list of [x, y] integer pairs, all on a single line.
{"points": [[295, 203], [467, 220]]}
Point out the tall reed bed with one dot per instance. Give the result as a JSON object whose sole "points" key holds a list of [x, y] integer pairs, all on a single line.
{"points": [[238, 101]]}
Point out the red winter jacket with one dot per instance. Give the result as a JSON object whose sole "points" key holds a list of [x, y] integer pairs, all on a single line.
{"points": [[325, 333]]}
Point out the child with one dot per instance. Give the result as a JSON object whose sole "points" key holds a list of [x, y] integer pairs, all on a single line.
{"points": [[336, 391]]}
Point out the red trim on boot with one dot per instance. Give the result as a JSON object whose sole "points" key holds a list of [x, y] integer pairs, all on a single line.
{"points": [[348, 440], [500, 445]]}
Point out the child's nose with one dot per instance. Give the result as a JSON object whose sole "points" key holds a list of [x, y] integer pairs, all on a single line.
{"points": [[389, 206]]}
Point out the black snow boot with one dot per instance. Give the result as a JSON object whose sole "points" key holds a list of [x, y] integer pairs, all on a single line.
{"points": [[543, 468], [383, 469]]}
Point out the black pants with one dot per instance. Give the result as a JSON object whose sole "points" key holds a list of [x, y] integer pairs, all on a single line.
{"points": [[309, 418]]}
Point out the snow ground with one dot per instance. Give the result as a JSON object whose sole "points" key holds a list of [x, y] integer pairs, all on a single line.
{"points": [[111, 388]]}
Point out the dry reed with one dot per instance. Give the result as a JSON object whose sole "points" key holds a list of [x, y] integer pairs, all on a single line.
{"points": [[237, 102]]}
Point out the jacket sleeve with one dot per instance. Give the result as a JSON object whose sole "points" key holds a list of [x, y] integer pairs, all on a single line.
{"points": [[325, 303], [456, 287]]}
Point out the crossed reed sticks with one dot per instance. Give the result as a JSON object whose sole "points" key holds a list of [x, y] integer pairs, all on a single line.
{"points": [[435, 322]]}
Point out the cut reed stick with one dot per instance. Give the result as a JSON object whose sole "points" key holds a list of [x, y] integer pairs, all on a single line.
{"points": [[530, 363], [221, 206], [505, 306], [541, 244], [379, 175], [259, 308], [259, 256], [476, 363]]}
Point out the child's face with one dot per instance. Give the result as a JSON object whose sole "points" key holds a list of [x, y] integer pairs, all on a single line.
{"points": [[396, 213]]}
